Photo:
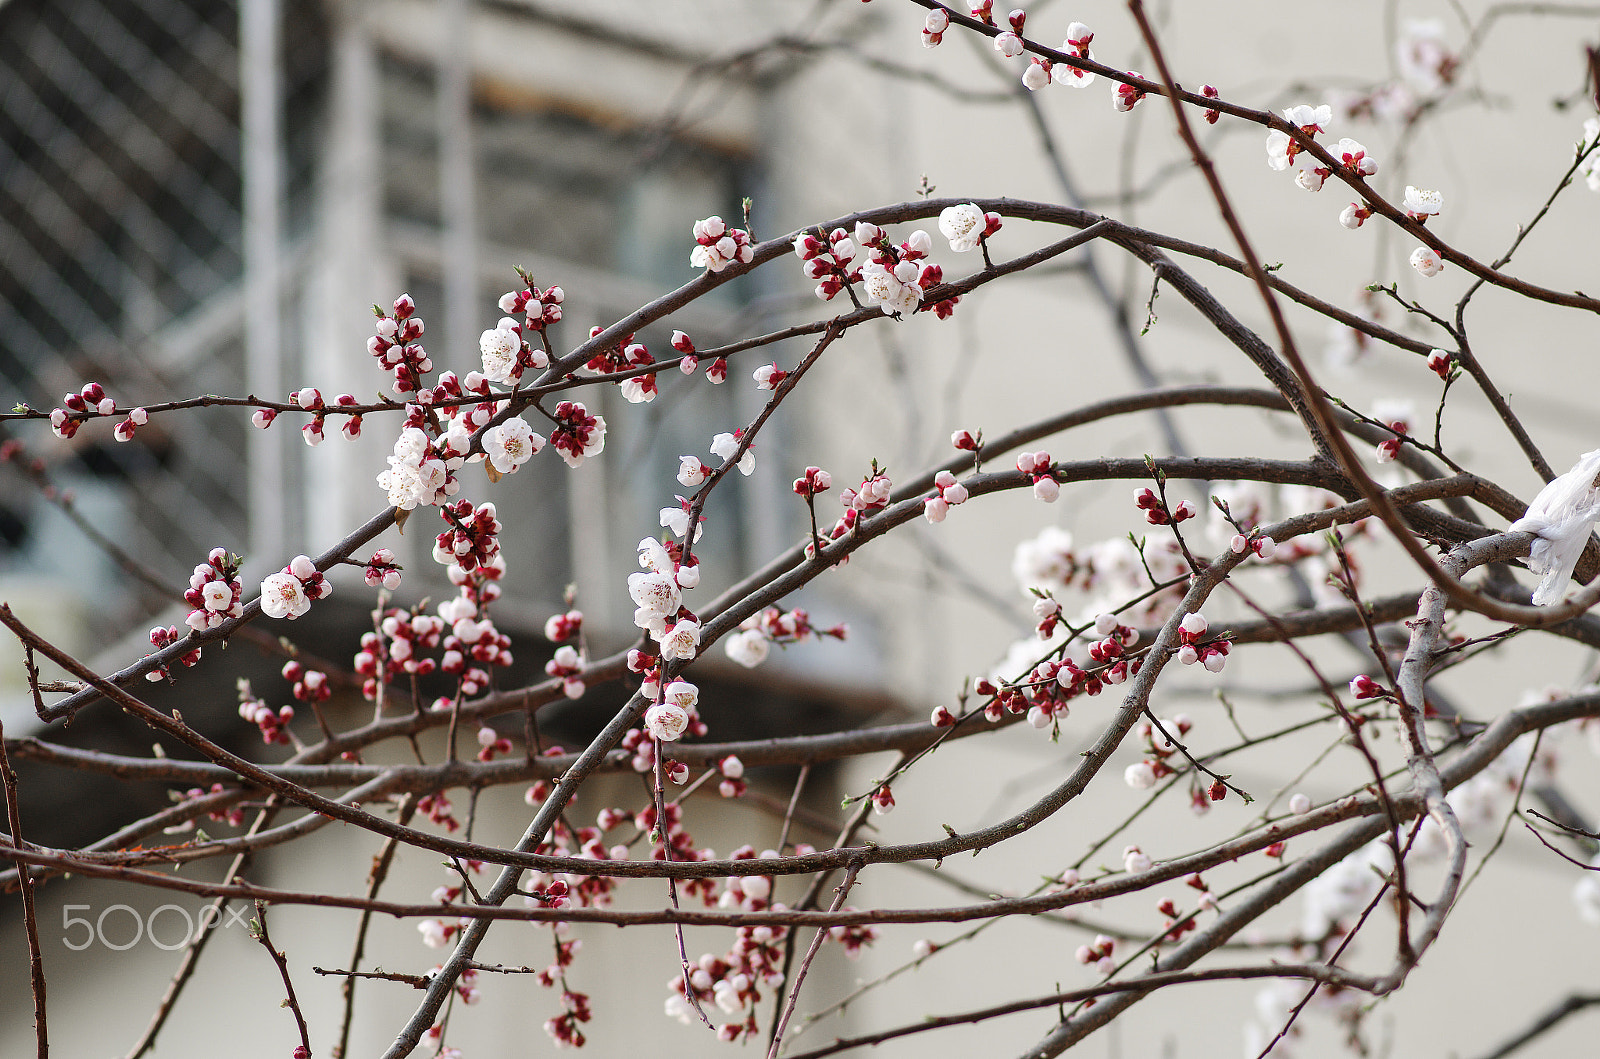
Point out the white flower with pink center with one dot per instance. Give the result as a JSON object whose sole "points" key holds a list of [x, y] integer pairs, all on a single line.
{"points": [[963, 225], [666, 722], [282, 596], [511, 444]]}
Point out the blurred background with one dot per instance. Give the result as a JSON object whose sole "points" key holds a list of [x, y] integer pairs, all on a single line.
{"points": [[205, 197]]}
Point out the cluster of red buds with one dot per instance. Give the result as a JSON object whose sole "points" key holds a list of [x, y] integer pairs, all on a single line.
{"points": [[829, 262], [274, 724], [437, 807], [476, 639], [382, 569], [814, 481], [563, 627], [396, 348], [625, 355], [541, 308], [1210, 92], [577, 434], [232, 815], [310, 399], [1213, 654], [166, 637], [473, 537], [1156, 511], [1048, 689], [310, 685], [491, 743], [563, 1029], [1098, 954], [90, 402], [397, 647], [689, 359], [1037, 468], [1176, 925]]}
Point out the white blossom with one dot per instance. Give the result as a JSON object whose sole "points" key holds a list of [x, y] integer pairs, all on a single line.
{"points": [[282, 596], [1425, 261], [682, 640], [748, 647], [1562, 515], [963, 225], [666, 721], [653, 556], [1586, 896], [499, 348], [1589, 168], [511, 444], [654, 594], [725, 445], [1421, 55], [1421, 202]]}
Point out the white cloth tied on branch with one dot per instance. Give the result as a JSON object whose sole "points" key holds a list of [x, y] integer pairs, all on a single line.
{"points": [[1563, 515]]}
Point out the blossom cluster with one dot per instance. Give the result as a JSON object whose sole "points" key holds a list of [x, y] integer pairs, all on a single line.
{"points": [[422, 469], [540, 308], [657, 594], [892, 278], [717, 246], [1042, 71], [273, 724], [163, 637], [1396, 415], [1038, 469], [1156, 510], [396, 348], [1213, 654], [830, 261], [214, 591], [948, 493], [310, 399], [396, 648], [625, 355], [1046, 691], [750, 645], [91, 401], [473, 536]]}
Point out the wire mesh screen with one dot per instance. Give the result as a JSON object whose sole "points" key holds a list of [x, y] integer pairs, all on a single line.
{"points": [[120, 261]]}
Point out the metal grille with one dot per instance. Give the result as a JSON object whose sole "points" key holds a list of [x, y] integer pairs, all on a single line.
{"points": [[120, 249]]}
